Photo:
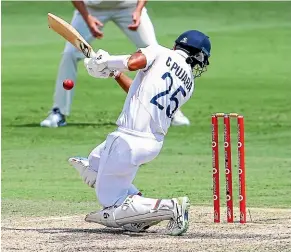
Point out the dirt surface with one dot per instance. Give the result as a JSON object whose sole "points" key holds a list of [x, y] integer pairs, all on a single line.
{"points": [[269, 230]]}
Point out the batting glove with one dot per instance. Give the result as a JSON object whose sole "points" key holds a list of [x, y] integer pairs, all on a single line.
{"points": [[91, 66]]}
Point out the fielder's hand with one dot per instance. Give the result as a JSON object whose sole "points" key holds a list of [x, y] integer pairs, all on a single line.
{"points": [[94, 26], [135, 21]]}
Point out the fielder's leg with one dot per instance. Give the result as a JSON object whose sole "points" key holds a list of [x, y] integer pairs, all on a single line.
{"points": [[179, 119]]}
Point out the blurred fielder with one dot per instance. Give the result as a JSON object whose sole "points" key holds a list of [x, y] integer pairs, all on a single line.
{"points": [[163, 83], [89, 17]]}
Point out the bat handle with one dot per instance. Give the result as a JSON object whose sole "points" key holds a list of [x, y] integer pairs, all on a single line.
{"points": [[93, 54]]}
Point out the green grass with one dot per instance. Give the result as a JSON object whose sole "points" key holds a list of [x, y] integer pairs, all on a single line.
{"points": [[249, 74]]}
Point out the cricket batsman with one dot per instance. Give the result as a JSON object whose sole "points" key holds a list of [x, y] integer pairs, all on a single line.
{"points": [[88, 19], [163, 83]]}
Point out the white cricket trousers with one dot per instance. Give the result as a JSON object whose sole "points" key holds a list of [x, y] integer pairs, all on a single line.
{"points": [[117, 160], [143, 37]]}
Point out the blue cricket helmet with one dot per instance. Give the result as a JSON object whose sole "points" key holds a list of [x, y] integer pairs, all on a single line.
{"points": [[196, 40], [197, 45]]}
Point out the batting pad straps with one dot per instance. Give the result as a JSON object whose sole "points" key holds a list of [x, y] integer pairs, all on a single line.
{"points": [[118, 62]]}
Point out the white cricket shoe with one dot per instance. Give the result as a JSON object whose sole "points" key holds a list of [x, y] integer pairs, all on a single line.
{"points": [[179, 224], [82, 166], [55, 119], [179, 119]]}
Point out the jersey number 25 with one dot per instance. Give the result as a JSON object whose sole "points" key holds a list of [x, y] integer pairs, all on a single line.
{"points": [[173, 96]]}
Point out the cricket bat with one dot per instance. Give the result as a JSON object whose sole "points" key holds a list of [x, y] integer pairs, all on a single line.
{"points": [[70, 34]]}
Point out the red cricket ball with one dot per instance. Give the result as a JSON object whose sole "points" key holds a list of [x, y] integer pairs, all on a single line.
{"points": [[68, 84]]}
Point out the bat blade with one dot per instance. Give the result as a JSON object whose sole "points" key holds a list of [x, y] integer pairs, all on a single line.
{"points": [[70, 34]]}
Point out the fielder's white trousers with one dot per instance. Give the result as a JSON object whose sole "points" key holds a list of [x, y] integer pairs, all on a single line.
{"points": [[117, 160], [143, 37]]}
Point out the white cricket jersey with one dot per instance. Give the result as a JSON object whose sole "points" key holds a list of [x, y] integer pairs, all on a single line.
{"points": [[105, 4], [157, 91]]}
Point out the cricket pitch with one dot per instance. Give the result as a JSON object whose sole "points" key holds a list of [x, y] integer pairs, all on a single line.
{"points": [[270, 230]]}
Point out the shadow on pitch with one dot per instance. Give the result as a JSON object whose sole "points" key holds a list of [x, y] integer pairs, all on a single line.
{"points": [[76, 125], [79, 230]]}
